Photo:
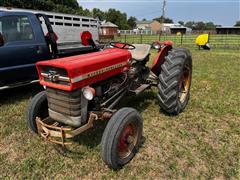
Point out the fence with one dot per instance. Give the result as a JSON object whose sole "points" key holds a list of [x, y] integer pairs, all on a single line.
{"points": [[216, 40], [137, 32]]}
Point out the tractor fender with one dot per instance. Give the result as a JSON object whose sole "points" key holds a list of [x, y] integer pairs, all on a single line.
{"points": [[160, 58]]}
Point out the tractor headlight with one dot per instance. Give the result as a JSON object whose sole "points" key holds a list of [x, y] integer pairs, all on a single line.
{"points": [[88, 93]]}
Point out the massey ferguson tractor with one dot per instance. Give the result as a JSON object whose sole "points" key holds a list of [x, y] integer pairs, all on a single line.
{"points": [[82, 89]]}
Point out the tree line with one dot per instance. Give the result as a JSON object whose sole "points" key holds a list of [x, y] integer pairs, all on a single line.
{"points": [[200, 25]]}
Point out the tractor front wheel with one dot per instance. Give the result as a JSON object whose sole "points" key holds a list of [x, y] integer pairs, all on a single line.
{"points": [[175, 81], [38, 107], [121, 138]]}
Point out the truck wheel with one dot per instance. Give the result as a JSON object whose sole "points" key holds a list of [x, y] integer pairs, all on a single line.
{"points": [[38, 107], [121, 138], [175, 81]]}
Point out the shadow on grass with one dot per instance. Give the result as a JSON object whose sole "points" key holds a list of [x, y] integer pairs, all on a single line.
{"points": [[92, 137], [140, 102], [11, 96]]}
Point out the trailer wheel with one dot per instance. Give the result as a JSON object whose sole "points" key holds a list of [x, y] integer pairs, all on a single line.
{"points": [[175, 81], [38, 107], [121, 138]]}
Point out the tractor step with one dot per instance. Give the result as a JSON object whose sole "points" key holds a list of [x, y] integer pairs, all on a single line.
{"points": [[140, 89]]}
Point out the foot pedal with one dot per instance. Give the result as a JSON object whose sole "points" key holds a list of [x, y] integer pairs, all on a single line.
{"points": [[140, 89]]}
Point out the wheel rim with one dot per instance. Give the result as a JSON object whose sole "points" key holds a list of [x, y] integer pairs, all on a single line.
{"points": [[184, 84], [127, 140]]}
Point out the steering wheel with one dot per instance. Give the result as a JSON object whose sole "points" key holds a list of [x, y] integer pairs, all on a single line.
{"points": [[122, 45]]}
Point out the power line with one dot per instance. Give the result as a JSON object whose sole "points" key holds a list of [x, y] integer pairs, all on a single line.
{"points": [[144, 13]]}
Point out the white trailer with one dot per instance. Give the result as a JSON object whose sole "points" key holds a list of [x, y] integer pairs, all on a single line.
{"points": [[67, 26]]}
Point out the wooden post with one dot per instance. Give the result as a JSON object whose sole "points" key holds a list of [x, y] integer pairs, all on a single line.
{"points": [[181, 39], [159, 37]]}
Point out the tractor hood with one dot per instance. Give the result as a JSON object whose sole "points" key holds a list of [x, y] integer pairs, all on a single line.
{"points": [[75, 72]]}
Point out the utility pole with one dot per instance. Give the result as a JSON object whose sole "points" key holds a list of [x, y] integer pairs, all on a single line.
{"points": [[163, 12]]}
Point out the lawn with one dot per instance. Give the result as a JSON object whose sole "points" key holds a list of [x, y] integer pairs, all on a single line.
{"points": [[202, 142]]}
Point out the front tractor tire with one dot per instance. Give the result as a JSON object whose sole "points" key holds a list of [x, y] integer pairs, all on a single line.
{"points": [[175, 81], [121, 138], [38, 107]]}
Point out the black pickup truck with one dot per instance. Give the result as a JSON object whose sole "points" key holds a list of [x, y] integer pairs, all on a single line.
{"points": [[23, 43]]}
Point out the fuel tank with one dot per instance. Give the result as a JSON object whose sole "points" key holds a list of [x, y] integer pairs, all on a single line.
{"points": [[71, 73]]}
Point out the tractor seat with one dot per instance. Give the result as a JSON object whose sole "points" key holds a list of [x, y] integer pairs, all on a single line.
{"points": [[141, 52]]}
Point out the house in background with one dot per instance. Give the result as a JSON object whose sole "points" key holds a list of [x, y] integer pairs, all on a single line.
{"points": [[108, 29], [155, 26]]}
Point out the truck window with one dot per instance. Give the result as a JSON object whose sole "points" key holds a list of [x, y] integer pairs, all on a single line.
{"points": [[16, 28]]}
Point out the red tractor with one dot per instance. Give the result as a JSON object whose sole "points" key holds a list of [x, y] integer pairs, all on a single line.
{"points": [[85, 88]]}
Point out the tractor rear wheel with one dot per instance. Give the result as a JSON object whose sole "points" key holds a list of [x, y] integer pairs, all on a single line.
{"points": [[38, 107], [175, 81], [121, 138]]}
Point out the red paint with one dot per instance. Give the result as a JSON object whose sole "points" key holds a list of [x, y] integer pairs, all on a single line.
{"points": [[87, 63], [160, 59], [122, 143], [85, 36], [55, 36], [168, 43], [121, 45]]}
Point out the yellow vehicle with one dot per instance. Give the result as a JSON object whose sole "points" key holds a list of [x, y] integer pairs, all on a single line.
{"points": [[202, 41]]}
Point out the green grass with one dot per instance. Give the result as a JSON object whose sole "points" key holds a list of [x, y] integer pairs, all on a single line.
{"points": [[216, 40], [203, 142]]}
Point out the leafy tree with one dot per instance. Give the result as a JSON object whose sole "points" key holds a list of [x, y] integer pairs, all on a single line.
{"points": [[237, 23], [190, 24], [72, 7], [210, 26], [199, 26], [65, 6], [118, 18], [181, 23], [132, 22], [97, 13]]}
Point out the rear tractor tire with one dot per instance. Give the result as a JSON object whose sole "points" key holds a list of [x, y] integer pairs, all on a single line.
{"points": [[121, 138], [175, 81], [38, 107]]}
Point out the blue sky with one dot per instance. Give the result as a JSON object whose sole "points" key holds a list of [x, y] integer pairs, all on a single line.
{"points": [[222, 12]]}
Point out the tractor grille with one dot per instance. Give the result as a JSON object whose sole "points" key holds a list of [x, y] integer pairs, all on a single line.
{"points": [[66, 103], [55, 75]]}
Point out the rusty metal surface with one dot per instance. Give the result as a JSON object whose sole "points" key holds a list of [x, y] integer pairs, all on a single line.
{"points": [[54, 132], [106, 115], [86, 126]]}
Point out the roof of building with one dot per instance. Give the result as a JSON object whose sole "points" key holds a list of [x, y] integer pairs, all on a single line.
{"points": [[229, 27], [108, 24], [172, 25], [144, 22], [182, 27]]}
